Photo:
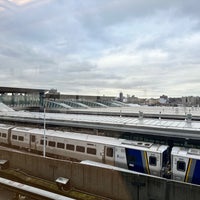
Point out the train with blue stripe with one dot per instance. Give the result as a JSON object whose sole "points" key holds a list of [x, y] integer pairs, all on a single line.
{"points": [[186, 164], [178, 163]]}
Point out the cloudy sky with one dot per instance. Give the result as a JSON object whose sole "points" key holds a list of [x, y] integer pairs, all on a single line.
{"points": [[144, 48]]}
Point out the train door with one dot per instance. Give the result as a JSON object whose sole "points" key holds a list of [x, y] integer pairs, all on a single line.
{"points": [[109, 157], [9, 136], [153, 162], [33, 142], [136, 160], [120, 157], [179, 168]]}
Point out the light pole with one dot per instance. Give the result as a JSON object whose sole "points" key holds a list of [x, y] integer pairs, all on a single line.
{"points": [[44, 144]]}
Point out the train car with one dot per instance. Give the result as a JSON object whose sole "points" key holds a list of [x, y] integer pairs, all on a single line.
{"points": [[186, 164], [5, 133], [20, 137], [142, 157], [137, 156], [58, 143]]}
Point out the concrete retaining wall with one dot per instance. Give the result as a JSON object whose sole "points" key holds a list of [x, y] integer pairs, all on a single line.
{"points": [[104, 182]]}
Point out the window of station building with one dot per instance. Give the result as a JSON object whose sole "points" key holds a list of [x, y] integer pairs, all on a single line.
{"points": [[181, 166], [70, 147], [109, 152], [52, 144], [4, 135], [32, 138], [60, 145], [80, 149], [21, 138], [91, 151], [152, 160], [14, 137]]}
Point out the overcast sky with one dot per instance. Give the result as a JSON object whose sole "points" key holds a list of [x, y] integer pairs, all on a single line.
{"points": [[144, 48]]}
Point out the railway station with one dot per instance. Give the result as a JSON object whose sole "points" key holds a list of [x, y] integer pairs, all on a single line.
{"points": [[138, 128], [36, 99]]}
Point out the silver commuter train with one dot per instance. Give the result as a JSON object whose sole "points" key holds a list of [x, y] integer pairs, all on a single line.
{"points": [[137, 156], [142, 157]]}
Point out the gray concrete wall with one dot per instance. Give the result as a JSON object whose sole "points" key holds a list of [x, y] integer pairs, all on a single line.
{"points": [[104, 182]]}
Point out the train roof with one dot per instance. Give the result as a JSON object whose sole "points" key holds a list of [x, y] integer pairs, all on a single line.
{"points": [[5, 126], [186, 152], [95, 139]]}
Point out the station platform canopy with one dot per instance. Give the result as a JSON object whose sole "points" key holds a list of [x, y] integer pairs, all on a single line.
{"points": [[4, 107], [20, 90]]}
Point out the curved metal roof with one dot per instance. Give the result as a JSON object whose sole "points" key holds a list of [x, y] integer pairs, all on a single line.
{"points": [[21, 90]]}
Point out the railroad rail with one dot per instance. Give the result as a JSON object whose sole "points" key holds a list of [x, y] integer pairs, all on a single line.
{"points": [[30, 191]]}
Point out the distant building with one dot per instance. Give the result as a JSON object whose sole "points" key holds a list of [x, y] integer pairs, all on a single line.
{"points": [[52, 94], [175, 101], [152, 102], [121, 97], [133, 99], [191, 101], [163, 100]]}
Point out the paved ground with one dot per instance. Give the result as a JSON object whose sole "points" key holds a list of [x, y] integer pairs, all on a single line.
{"points": [[6, 195]]}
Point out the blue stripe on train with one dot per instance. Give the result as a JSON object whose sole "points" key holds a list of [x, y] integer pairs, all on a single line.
{"points": [[196, 174], [134, 160]]}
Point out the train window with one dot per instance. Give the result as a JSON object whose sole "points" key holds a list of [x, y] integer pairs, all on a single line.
{"points": [[91, 151], [4, 135], [14, 137], [181, 166], [70, 147], [0, 134], [90, 144], [42, 142], [60, 145], [32, 138], [131, 158], [80, 148], [52, 144], [152, 160], [109, 152], [21, 138]]}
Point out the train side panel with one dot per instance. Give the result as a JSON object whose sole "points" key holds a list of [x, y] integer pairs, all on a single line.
{"points": [[154, 163], [20, 139], [71, 148], [137, 160], [195, 170], [120, 157], [5, 131], [4, 137], [186, 165], [144, 161], [186, 169], [179, 167]]}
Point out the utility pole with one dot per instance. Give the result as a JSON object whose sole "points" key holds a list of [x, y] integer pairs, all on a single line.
{"points": [[44, 144]]}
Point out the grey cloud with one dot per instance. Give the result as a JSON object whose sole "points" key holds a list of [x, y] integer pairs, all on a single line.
{"points": [[85, 46]]}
